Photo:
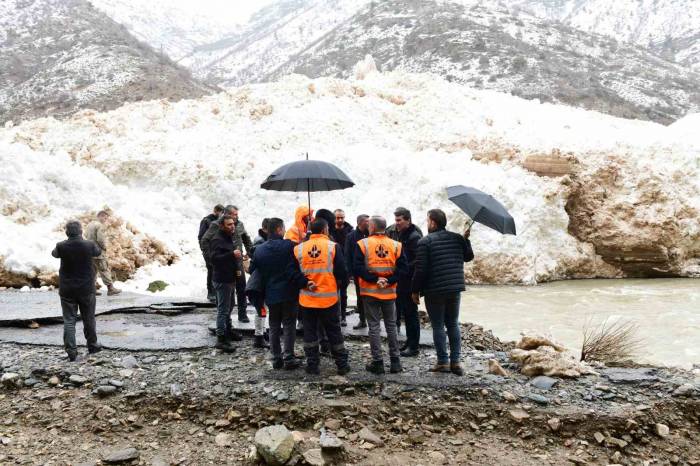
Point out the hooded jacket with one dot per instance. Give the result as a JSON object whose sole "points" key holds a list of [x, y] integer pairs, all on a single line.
{"points": [[273, 261], [297, 232]]}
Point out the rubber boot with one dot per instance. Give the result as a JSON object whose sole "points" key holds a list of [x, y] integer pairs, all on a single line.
{"points": [[111, 290]]}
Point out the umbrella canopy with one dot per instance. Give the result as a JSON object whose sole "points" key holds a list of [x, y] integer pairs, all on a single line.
{"points": [[307, 176], [482, 208]]}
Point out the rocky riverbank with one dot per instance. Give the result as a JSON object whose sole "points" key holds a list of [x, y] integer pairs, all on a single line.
{"points": [[204, 407]]}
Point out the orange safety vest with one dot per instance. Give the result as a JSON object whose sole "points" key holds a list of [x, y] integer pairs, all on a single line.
{"points": [[316, 257], [381, 254]]}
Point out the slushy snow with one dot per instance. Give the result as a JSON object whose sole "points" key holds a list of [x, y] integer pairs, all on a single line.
{"points": [[403, 138]]}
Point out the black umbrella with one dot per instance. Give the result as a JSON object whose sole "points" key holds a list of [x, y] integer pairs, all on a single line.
{"points": [[307, 175], [482, 208]]}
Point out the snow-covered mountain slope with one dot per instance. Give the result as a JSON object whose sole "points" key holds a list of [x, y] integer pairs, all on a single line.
{"points": [[274, 34], [668, 27], [592, 195], [57, 56], [165, 24], [492, 49]]}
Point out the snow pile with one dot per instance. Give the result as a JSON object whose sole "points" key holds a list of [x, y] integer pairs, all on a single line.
{"points": [[401, 137]]}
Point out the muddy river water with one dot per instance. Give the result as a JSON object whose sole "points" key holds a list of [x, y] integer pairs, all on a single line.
{"points": [[667, 312]]}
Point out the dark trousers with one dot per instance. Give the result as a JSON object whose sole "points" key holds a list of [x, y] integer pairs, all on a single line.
{"points": [[225, 293], [70, 305], [282, 318], [360, 304], [240, 294], [443, 310], [409, 310], [343, 288], [210, 283], [329, 319]]}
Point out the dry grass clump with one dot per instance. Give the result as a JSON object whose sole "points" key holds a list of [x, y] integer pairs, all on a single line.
{"points": [[610, 341]]}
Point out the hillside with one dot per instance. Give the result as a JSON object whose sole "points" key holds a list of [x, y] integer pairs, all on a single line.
{"points": [[490, 48], [592, 195], [59, 56]]}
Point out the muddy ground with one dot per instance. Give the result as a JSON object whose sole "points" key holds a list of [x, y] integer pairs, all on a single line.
{"points": [[196, 407]]}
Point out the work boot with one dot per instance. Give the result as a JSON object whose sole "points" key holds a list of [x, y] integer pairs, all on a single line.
{"points": [[325, 349], [312, 370], [361, 324], [277, 364], [243, 317], [440, 368], [395, 366], [375, 367], [234, 335], [224, 344], [409, 353], [456, 369], [98, 293], [343, 369], [291, 364], [72, 355], [259, 342], [111, 290], [95, 349], [403, 347]]}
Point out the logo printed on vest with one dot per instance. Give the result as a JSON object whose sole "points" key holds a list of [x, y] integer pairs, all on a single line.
{"points": [[314, 252], [381, 251]]}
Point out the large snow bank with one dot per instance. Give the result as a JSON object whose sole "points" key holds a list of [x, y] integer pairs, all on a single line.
{"points": [[401, 137]]}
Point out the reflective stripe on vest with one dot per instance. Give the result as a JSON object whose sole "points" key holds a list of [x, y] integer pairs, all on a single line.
{"points": [[317, 265], [381, 266]]}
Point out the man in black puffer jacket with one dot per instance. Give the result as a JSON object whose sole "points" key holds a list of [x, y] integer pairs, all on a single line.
{"points": [[439, 276]]}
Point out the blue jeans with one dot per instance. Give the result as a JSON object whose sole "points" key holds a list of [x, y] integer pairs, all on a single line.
{"points": [[443, 310], [225, 293]]}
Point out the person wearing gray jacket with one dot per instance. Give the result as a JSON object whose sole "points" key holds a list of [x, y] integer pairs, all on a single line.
{"points": [[95, 232]]}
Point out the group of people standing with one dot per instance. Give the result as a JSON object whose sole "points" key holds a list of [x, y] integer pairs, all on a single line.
{"points": [[299, 277]]}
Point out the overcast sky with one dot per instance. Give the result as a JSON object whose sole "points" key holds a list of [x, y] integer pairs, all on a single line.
{"points": [[239, 11]]}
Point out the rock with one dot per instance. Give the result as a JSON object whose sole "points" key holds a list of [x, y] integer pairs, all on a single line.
{"points": [[416, 436], [543, 382], [275, 444], [328, 441], [662, 430], [105, 390], [496, 369], [508, 396], [157, 285], [518, 415], [122, 456], [337, 404], [10, 379], [30, 382], [437, 457], [76, 379], [332, 424], [116, 383], [599, 437], [369, 436], [314, 457], [539, 399], [159, 461], [175, 390], [630, 375], [129, 362], [54, 380], [223, 439], [554, 424], [126, 373], [684, 390], [615, 442]]}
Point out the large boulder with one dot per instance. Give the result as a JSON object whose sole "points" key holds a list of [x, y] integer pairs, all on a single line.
{"points": [[275, 444]]}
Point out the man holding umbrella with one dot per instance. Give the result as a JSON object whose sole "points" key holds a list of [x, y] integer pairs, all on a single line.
{"points": [[439, 277]]}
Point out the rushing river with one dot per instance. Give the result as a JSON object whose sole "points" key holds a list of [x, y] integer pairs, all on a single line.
{"points": [[667, 312]]}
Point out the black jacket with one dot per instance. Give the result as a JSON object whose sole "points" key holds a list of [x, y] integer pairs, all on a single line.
{"points": [[204, 225], [339, 235], [76, 277], [440, 262], [351, 246], [409, 240], [360, 269], [260, 239], [274, 261], [225, 264]]}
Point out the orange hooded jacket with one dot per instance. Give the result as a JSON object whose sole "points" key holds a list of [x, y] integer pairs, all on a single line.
{"points": [[297, 232]]}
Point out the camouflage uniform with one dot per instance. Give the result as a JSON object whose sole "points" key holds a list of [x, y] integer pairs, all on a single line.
{"points": [[95, 232]]}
